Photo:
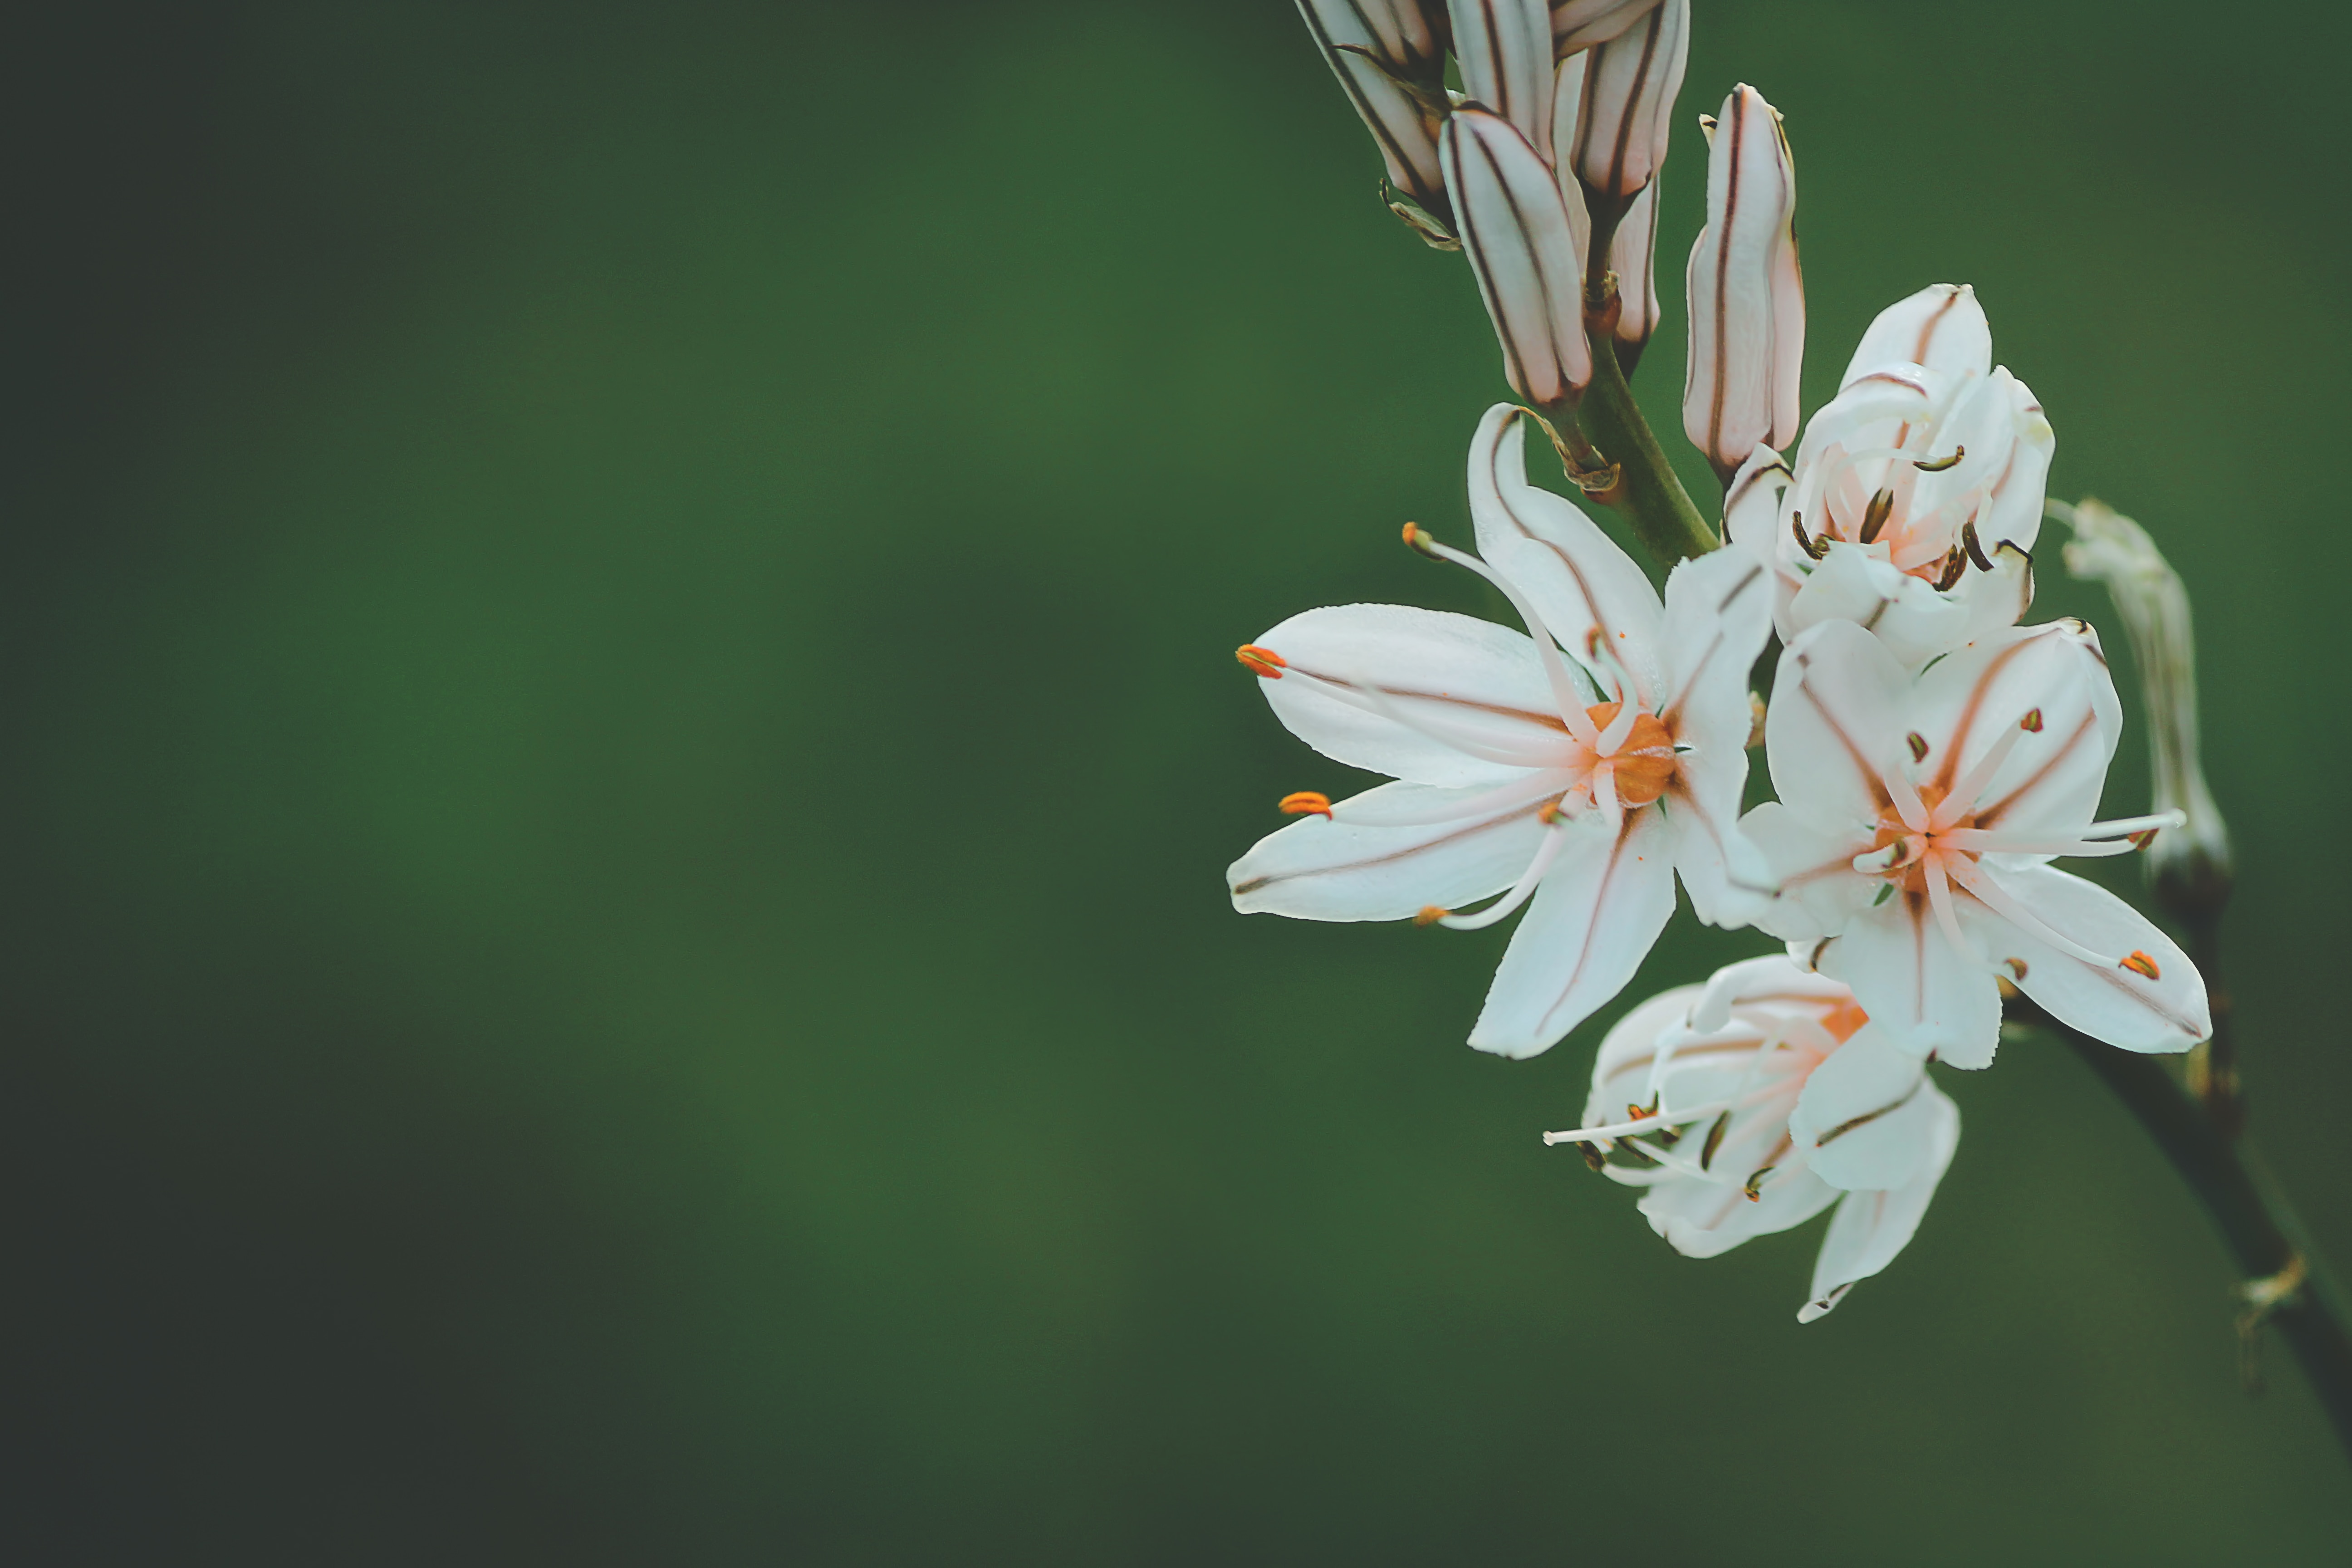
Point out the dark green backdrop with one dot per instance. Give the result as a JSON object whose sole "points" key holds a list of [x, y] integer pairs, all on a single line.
{"points": [[621, 741]]}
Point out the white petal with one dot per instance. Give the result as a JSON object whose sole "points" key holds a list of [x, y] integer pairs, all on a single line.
{"points": [[1751, 507], [1702, 1219], [1834, 724], [1516, 232], [1942, 327], [1994, 603], [1864, 1116], [1621, 1069], [1972, 701], [1871, 1228], [1463, 675], [1580, 24], [1580, 582], [1331, 870], [1633, 256], [1505, 49], [2014, 513], [2118, 1006], [1913, 985], [1908, 617], [1812, 864], [1586, 931]]}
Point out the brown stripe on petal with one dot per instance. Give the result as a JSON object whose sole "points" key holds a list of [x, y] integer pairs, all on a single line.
{"points": [[1722, 271], [1927, 328], [1972, 708], [1609, 878], [1861, 763], [1842, 1128], [1391, 858], [1549, 720]]}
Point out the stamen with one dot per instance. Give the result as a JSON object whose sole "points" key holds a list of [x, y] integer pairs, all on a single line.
{"points": [[1874, 516], [1968, 542], [1564, 694], [1954, 565], [1918, 744], [1640, 1124], [1419, 538], [1989, 894], [1948, 915], [2139, 962], [1955, 806], [2032, 722], [1305, 803], [1519, 892], [1429, 915], [1797, 526], [1260, 661], [1937, 464], [1753, 1182], [1714, 1140]]}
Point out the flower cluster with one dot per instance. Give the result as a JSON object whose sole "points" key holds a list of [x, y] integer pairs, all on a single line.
{"points": [[1929, 755]]}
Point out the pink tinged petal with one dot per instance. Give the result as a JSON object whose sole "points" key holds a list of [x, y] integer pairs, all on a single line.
{"points": [[1914, 986], [1835, 724], [1719, 613], [1580, 24], [1516, 231], [1871, 1228], [1865, 1116], [1942, 327], [1811, 866], [2119, 1005], [1629, 100], [1746, 305], [1336, 870], [1456, 675], [1405, 130], [1505, 49], [2051, 778], [1911, 620], [1586, 931], [1579, 581], [1633, 256]]}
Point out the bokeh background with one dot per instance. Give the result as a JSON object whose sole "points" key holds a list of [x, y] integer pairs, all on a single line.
{"points": [[621, 741]]}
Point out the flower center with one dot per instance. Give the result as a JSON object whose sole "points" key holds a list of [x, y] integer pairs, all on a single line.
{"points": [[1905, 849], [1643, 761]]}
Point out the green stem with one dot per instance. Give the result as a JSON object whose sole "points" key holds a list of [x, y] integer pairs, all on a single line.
{"points": [[1652, 500], [2260, 1229]]}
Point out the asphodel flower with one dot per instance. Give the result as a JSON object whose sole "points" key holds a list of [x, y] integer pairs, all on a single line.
{"points": [[1579, 24], [2147, 593], [1917, 820], [1390, 57], [1574, 768], [1917, 491], [1524, 247], [1627, 106], [1749, 1104], [1504, 50], [1746, 292]]}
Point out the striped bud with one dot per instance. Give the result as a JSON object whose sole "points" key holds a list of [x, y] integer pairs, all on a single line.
{"points": [[1390, 56], [1633, 256], [1580, 24], [1629, 100], [1517, 233], [1747, 294], [1504, 50]]}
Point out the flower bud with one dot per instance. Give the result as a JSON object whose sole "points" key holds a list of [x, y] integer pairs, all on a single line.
{"points": [[1629, 100], [1390, 56], [2189, 863], [1746, 293], [1580, 24], [1634, 257], [1504, 50], [1517, 233]]}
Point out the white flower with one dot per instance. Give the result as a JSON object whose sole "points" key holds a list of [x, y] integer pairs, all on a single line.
{"points": [[1576, 785], [1917, 493], [1628, 105], [1526, 248], [1749, 1104], [1746, 293], [1376, 47], [1917, 820], [1504, 50]]}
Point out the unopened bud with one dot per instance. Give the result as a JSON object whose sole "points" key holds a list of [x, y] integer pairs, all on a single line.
{"points": [[1504, 50], [1580, 24], [1390, 56], [2190, 864], [1628, 106], [1633, 256], [1517, 231], [1746, 293]]}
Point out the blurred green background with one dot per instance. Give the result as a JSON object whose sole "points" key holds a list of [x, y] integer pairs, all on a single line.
{"points": [[617, 628]]}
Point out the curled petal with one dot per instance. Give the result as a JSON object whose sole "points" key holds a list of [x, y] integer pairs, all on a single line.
{"points": [[1871, 1228], [1349, 867], [2113, 1003], [1746, 297], [1628, 105], [1862, 1119], [1516, 232], [1505, 54], [1942, 327], [1585, 934]]}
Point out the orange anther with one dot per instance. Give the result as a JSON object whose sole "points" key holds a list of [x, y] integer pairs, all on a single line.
{"points": [[2032, 722], [2142, 838], [1260, 661], [2141, 963], [1421, 538], [1550, 815], [1429, 915], [1305, 803]]}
